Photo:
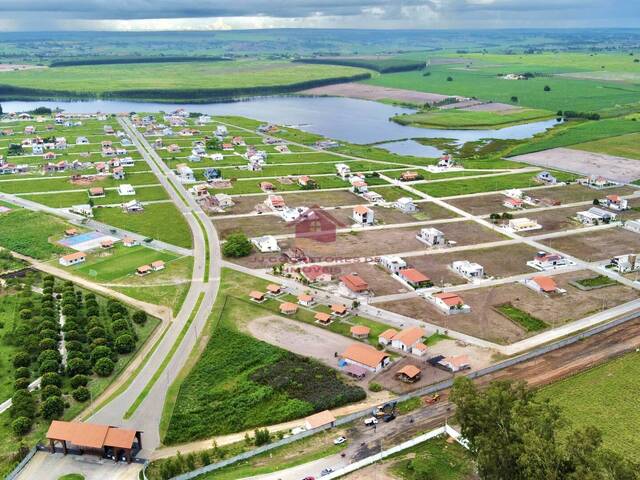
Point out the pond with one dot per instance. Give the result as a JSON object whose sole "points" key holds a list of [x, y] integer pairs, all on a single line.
{"points": [[347, 119]]}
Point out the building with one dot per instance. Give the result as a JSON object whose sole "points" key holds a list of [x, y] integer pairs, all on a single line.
{"points": [[323, 318], [266, 244], [257, 297], [407, 338], [523, 224], [344, 170], [410, 176], [542, 284], [414, 278], [360, 332], [118, 173], [339, 310], [125, 190], [91, 437], [358, 186], [319, 420], [392, 263], [455, 364], [130, 242], [185, 173], [143, 270], [626, 263], [96, 192], [450, 303], [386, 337], [316, 273], [212, 174], [106, 243], [157, 265], [546, 177], [353, 284], [549, 261], [632, 225], [363, 215], [275, 202], [409, 374], [616, 202], [222, 200], [85, 210], [513, 203], [267, 187], [72, 259], [364, 356], [288, 308], [431, 237], [406, 205], [469, 270], [306, 300], [596, 216], [132, 206]]}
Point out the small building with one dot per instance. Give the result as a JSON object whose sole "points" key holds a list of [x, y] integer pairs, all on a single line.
{"points": [[130, 242], [363, 215], [185, 173], [343, 170], [70, 232], [406, 205], [626, 263], [469, 270], [257, 297], [549, 261], [323, 318], [431, 237], [386, 337], [126, 190], [118, 173], [392, 263], [407, 338], [616, 202], [266, 244], [450, 303], [72, 259], [319, 420], [85, 210], [274, 289], [339, 310], [157, 265], [456, 363], [513, 203], [546, 177], [222, 200], [316, 273], [409, 374], [360, 332], [106, 244], [542, 284], [414, 278], [410, 176], [522, 224], [132, 206], [353, 284], [632, 225], [275, 202], [364, 356], [96, 192], [596, 216], [288, 308], [306, 300], [267, 187]]}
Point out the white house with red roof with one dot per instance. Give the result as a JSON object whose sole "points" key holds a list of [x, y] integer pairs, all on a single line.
{"points": [[544, 261], [543, 284], [616, 202], [363, 215], [449, 303]]}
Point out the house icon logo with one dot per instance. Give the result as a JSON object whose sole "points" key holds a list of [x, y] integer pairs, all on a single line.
{"points": [[316, 226]]}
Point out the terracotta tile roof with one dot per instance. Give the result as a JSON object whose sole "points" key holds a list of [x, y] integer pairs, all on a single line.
{"points": [[143, 269], [74, 256], [157, 263], [335, 308], [359, 330], [410, 371], [361, 209], [312, 272], [420, 346], [305, 298], [288, 307], [354, 283], [71, 231], [450, 299], [256, 295], [388, 334], [614, 198], [322, 317], [546, 284], [364, 354], [91, 435], [120, 437], [409, 336], [413, 275], [273, 288], [458, 361], [319, 419]]}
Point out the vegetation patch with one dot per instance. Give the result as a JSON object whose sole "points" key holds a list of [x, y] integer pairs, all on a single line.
{"points": [[28, 233], [591, 283], [525, 320], [452, 118], [436, 459]]}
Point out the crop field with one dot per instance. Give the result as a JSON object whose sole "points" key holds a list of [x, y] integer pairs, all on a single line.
{"points": [[604, 396], [627, 146], [452, 118]]}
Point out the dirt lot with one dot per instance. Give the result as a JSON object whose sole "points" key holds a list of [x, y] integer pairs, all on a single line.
{"points": [[481, 204], [492, 107], [372, 92], [253, 226], [380, 282], [430, 375], [388, 216], [497, 262], [586, 163], [578, 193], [300, 338], [598, 245], [487, 323]]}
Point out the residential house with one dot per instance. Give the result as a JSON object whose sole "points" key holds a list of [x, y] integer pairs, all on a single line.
{"points": [[288, 308], [596, 216], [373, 197], [82, 141], [157, 265], [405, 340], [616, 202], [221, 130], [306, 181], [316, 273], [266, 244], [306, 300], [597, 182], [326, 144], [546, 177], [431, 237], [96, 192], [469, 270], [173, 148], [108, 129], [130, 242], [455, 363], [125, 190], [449, 303], [275, 202], [410, 176], [70, 232], [406, 205], [132, 206], [344, 170], [72, 259], [222, 200], [513, 203], [339, 310], [364, 356], [101, 167], [386, 337], [282, 149], [358, 186], [267, 187], [353, 284], [200, 192], [323, 318], [106, 244], [626, 263], [257, 297], [118, 173], [549, 261], [409, 374], [542, 284], [60, 143], [37, 149], [414, 278], [363, 215], [522, 224], [360, 332], [392, 263], [274, 289], [216, 157], [212, 174], [143, 270], [185, 173], [49, 156], [85, 210]]}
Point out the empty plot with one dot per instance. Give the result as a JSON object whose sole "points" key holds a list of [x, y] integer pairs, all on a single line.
{"points": [[372, 92], [597, 245], [379, 280]]}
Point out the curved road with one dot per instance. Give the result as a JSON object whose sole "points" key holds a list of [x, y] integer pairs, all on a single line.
{"points": [[205, 282]]}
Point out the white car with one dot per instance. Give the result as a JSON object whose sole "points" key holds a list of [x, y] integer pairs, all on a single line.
{"points": [[371, 421], [339, 440]]}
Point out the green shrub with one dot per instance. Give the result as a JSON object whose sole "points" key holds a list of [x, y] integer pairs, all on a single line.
{"points": [[375, 387], [52, 408], [51, 379], [237, 245], [81, 394], [124, 344], [79, 381], [21, 384], [21, 426], [104, 367], [23, 404]]}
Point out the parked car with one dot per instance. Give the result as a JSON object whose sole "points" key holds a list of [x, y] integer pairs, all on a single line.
{"points": [[326, 471], [339, 440], [371, 421], [389, 417]]}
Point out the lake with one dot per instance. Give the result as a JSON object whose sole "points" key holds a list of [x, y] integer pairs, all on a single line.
{"points": [[347, 119]]}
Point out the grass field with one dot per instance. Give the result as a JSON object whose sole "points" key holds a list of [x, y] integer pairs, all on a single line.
{"points": [[8, 313], [606, 397], [524, 319], [622, 146], [572, 134], [28, 233], [471, 119], [172, 77], [161, 221]]}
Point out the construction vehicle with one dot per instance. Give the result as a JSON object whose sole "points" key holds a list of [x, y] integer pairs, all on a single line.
{"points": [[431, 399], [386, 409]]}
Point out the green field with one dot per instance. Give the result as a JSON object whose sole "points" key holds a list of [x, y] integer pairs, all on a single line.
{"points": [[435, 459], [161, 221], [524, 319], [28, 233], [622, 146], [171, 80], [8, 314], [606, 397], [571, 134], [471, 119]]}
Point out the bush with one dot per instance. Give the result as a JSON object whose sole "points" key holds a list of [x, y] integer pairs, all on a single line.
{"points": [[261, 437], [51, 379], [23, 404], [375, 387], [237, 245], [99, 352], [21, 384], [22, 359], [104, 367], [49, 355], [139, 317], [49, 366], [50, 391], [21, 426], [547, 88], [47, 344], [22, 372], [52, 408], [81, 394], [79, 381], [124, 343]]}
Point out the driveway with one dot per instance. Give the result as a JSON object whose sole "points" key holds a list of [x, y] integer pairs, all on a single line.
{"points": [[45, 466]]}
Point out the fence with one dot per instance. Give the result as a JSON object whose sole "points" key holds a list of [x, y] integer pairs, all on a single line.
{"points": [[14, 473], [423, 391]]}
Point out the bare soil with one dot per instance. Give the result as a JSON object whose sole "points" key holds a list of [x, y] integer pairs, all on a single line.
{"points": [[373, 92], [597, 245], [379, 280], [430, 375]]}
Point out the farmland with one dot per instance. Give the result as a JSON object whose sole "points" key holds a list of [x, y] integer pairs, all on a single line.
{"points": [[471, 119]]}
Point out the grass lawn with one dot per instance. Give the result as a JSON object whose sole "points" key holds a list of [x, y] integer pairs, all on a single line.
{"points": [[606, 397], [594, 282], [525, 320], [171, 296], [8, 313], [160, 221], [120, 261], [622, 146], [28, 233], [71, 476], [471, 119]]}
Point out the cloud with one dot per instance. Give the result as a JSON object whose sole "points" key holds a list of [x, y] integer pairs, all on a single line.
{"points": [[223, 14]]}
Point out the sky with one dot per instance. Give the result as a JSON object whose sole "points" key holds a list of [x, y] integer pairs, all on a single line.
{"points": [[149, 15]]}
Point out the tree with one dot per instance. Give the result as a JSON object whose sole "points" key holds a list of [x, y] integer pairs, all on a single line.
{"points": [[514, 435], [52, 408], [139, 317], [101, 351], [79, 381], [514, 99], [21, 384], [449, 79], [78, 366], [237, 245], [50, 391], [51, 378], [261, 437], [23, 404], [22, 359], [124, 343], [81, 394], [21, 426], [104, 367], [547, 88]]}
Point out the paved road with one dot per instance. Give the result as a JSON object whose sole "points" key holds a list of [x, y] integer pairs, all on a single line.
{"points": [[147, 416]]}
